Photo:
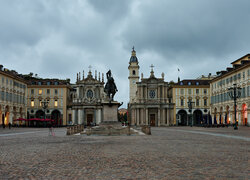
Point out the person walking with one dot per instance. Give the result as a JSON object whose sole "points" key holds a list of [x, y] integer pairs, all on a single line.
{"points": [[9, 125]]}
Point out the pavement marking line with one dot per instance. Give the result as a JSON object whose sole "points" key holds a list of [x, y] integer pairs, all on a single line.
{"points": [[13, 134], [215, 134]]}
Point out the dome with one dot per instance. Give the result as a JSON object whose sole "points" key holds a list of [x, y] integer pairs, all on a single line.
{"points": [[133, 56], [133, 59]]}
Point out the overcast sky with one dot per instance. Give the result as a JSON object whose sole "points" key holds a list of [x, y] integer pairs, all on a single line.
{"points": [[58, 38]]}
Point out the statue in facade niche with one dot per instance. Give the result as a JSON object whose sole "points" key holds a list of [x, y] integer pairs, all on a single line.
{"points": [[110, 87]]}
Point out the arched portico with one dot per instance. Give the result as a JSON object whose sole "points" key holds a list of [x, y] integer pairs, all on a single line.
{"points": [[197, 117], [183, 117]]}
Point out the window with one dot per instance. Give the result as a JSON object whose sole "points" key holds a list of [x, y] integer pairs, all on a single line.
{"points": [[56, 83], [205, 102], [189, 91], [205, 91], [48, 83], [197, 102], [32, 91], [182, 102], [152, 94], [133, 72], [243, 75], [197, 91], [182, 91], [40, 103], [32, 103], [56, 103], [89, 94], [39, 83], [48, 91], [181, 83], [189, 83], [40, 91], [239, 75], [56, 91], [197, 83]]}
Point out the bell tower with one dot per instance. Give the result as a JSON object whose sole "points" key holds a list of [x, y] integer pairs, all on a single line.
{"points": [[133, 75]]}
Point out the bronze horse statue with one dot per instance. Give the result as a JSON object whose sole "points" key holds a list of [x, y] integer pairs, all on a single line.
{"points": [[110, 87]]}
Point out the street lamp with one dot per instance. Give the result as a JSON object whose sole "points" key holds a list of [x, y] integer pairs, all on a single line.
{"points": [[234, 93], [190, 107], [45, 106]]}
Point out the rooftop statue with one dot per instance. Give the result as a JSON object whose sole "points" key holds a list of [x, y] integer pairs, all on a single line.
{"points": [[110, 87]]}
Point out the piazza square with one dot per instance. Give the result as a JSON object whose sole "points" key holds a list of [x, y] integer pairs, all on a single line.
{"points": [[136, 89]]}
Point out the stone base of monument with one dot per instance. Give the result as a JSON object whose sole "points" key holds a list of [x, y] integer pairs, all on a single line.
{"points": [[110, 124]]}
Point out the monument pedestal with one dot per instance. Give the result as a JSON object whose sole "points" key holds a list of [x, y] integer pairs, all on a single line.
{"points": [[110, 124], [110, 114]]}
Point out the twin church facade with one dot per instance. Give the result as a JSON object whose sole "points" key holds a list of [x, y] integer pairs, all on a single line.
{"points": [[152, 100]]}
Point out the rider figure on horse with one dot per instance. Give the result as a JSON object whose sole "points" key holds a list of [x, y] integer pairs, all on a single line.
{"points": [[110, 87]]}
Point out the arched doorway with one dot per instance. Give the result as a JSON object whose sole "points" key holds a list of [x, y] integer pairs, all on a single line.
{"points": [[197, 117], [183, 117], [6, 117], [244, 114], [56, 116], [40, 114], [227, 115], [221, 117]]}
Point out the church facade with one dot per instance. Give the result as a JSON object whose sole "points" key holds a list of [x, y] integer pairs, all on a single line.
{"points": [[150, 100], [86, 96]]}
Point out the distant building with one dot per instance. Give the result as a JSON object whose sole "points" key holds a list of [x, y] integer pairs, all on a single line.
{"points": [[149, 103], [13, 96], [196, 91], [222, 106], [87, 96], [54, 91]]}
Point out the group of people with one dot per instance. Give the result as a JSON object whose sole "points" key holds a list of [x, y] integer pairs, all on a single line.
{"points": [[8, 124]]}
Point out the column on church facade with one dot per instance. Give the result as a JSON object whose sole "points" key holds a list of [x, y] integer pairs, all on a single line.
{"points": [[146, 116], [74, 115], [141, 116], [98, 116], [78, 92], [138, 116], [83, 115], [168, 117], [163, 116], [133, 117], [79, 116], [159, 117], [11, 118]]}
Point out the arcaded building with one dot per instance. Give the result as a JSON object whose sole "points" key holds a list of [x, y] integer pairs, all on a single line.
{"points": [[13, 89]]}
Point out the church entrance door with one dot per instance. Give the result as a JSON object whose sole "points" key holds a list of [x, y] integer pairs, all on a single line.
{"points": [[89, 119], [152, 119]]}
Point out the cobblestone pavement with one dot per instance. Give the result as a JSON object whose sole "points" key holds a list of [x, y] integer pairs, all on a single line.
{"points": [[169, 153]]}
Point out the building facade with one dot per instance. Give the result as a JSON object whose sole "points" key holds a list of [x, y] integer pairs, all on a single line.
{"points": [[222, 106], [149, 103], [54, 93], [13, 96], [192, 90], [87, 97]]}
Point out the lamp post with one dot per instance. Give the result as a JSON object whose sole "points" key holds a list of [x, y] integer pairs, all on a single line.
{"points": [[234, 93], [45, 106], [190, 107]]}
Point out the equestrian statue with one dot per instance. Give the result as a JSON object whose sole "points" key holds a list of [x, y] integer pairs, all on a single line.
{"points": [[110, 87]]}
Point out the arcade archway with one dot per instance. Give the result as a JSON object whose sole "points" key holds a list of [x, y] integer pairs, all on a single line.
{"points": [[183, 117], [197, 115], [56, 116], [244, 114]]}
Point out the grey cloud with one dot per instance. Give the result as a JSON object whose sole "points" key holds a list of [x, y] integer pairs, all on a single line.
{"points": [[60, 38]]}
